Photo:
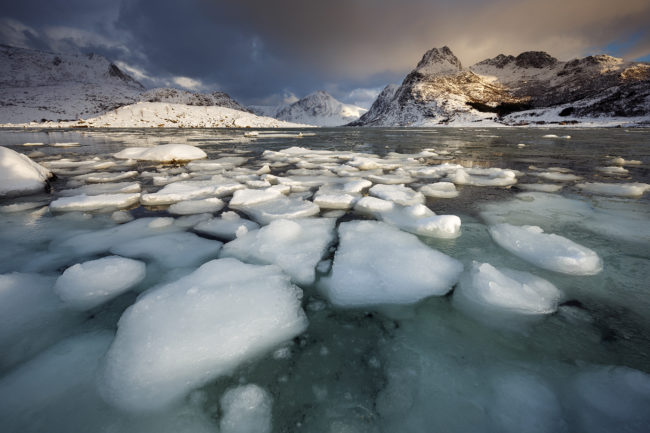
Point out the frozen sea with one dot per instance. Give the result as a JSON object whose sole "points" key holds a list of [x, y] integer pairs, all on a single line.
{"points": [[329, 280]]}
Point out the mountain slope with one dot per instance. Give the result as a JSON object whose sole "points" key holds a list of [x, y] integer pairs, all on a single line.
{"points": [[512, 90], [319, 109], [176, 96], [39, 85]]}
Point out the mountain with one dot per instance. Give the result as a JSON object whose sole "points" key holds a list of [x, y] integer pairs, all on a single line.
{"points": [[176, 96], [38, 85], [317, 109], [532, 87]]}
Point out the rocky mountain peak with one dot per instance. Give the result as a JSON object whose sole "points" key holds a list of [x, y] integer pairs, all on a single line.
{"points": [[439, 61], [535, 59]]}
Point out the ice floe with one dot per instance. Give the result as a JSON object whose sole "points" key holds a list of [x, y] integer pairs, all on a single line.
{"points": [[483, 177], [246, 409], [86, 285], [19, 174], [440, 190], [398, 194], [179, 249], [190, 207], [191, 189], [94, 202], [417, 218], [499, 295], [162, 153], [548, 251], [296, 246], [177, 337], [632, 189], [379, 264], [228, 226], [270, 204]]}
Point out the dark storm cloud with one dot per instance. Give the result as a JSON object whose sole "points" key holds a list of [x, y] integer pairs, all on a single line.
{"points": [[254, 49]]}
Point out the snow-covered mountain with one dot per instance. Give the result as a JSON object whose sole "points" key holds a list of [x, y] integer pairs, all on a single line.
{"points": [[72, 90], [317, 109], [532, 87], [38, 85]]}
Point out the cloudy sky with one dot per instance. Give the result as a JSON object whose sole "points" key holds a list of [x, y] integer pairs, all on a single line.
{"points": [[266, 52]]}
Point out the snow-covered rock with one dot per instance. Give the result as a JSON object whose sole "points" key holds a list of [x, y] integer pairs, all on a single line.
{"points": [[548, 251], [378, 264], [19, 174], [86, 285], [177, 337]]}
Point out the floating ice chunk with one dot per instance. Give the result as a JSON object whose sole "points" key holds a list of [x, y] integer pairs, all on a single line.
{"points": [[296, 246], [21, 207], [225, 163], [54, 374], [99, 241], [612, 399], [483, 177], [496, 296], [248, 197], [121, 216], [436, 171], [186, 333], [334, 200], [86, 285], [270, 204], [162, 153], [229, 226], [191, 189], [379, 264], [190, 207], [540, 187], [399, 194], [102, 188], [550, 136], [94, 202], [557, 177], [615, 189], [103, 177], [19, 174], [171, 249], [417, 219], [617, 160], [548, 251], [31, 315], [524, 403], [440, 190], [613, 170], [246, 409], [390, 179]]}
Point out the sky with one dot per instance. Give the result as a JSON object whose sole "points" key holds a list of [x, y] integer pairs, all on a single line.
{"points": [[270, 52]]}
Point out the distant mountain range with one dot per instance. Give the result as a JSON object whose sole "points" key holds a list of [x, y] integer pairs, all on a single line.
{"points": [[318, 109], [531, 88]]}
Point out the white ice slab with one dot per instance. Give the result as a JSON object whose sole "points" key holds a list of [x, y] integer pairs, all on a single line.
{"points": [[399, 194], [102, 188], [162, 153], [94, 202], [268, 205], [246, 409], [492, 294], [191, 189], [190, 207], [548, 251], [86, 285], [186, 333], [483, 177], [378, 264], [632, 189], [417, 219], [541, 187], [440, 190], [228, 226], [178, 249], [19, 174], [296, 246]]}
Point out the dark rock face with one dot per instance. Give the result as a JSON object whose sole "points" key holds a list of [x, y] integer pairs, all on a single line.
{"points": [[439, 90], [177, 96], [535, 59]]}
